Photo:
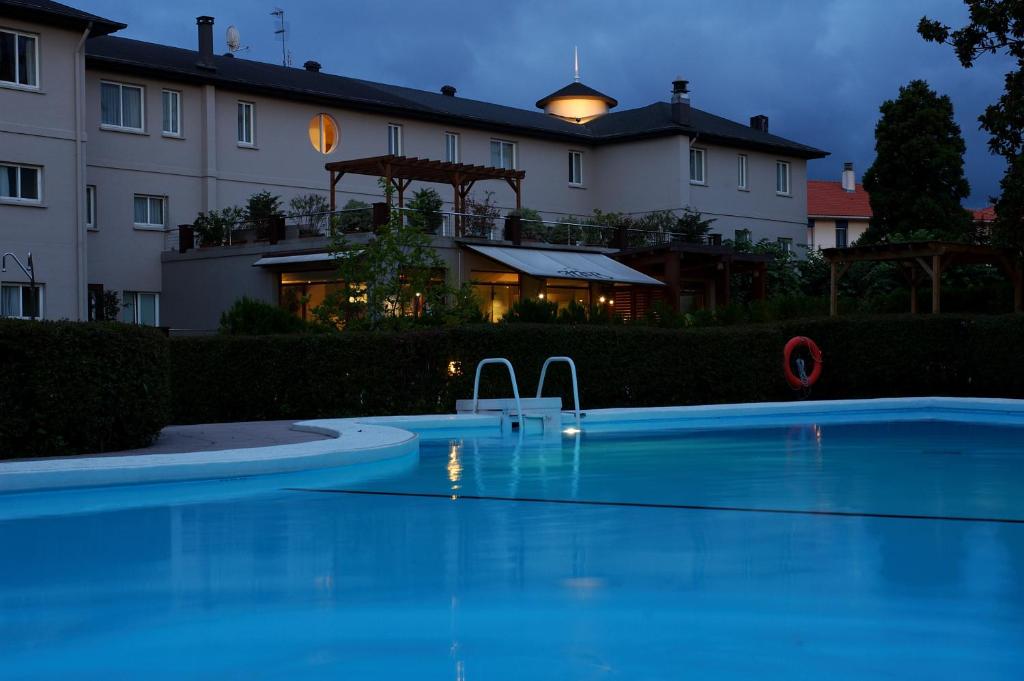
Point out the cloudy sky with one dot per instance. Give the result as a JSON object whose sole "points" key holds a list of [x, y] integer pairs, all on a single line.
{"points": [[818, 68]]}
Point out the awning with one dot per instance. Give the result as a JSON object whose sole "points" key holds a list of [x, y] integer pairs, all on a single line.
{"points": [[551, 264], [267, 261]]}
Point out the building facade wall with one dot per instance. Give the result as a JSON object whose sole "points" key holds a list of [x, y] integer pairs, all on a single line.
{"points": [[823, 235]]}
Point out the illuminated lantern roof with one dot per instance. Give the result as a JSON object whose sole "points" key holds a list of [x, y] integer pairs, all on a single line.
{"points": [[577, 103]]}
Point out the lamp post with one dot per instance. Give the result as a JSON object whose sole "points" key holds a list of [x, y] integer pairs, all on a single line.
{"points": [[30, 272]]}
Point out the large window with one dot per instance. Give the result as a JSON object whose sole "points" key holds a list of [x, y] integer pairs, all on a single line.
{"points": [[741, 172], [246, 124], [503, 154], [171, 103], [20, 183], [497, 292], [842, 233], [323, 133], [90, 207], [394, 139], [121, 106], [576, 168], [19, 59], [782, 178], [149, 211], [451, 147], [21, 300], [141, 308], [697, 166]]}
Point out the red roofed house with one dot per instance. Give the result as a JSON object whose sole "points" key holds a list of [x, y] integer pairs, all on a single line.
{"points": [[984, 216], [837, 212]]}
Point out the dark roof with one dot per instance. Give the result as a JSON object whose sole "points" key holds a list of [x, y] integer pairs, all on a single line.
{"points": [[56, 14], [577, 90], [133, 56]]}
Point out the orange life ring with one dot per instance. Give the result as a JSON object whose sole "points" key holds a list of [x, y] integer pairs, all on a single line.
{"points": [[797, 382]]}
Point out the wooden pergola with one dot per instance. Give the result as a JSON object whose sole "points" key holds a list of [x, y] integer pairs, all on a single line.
{"points": [[401, 171], [923, 260]]}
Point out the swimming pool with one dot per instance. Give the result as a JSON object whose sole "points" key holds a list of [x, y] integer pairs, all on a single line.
{"points": [[891, 549]]}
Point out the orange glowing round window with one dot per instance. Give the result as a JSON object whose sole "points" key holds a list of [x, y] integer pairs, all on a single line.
{"points": [[323, 133]]}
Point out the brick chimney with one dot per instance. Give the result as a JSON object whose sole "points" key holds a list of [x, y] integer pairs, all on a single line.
{"points": [[680, 101], [448, 90], [849, 178], [313, 66], [759, 122], [205, 25]]}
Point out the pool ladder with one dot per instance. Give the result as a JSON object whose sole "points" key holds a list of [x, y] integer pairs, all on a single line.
{"points": [[538, 406]]}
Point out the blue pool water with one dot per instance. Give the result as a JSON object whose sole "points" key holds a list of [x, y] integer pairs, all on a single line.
{"points": [[884, 551]]}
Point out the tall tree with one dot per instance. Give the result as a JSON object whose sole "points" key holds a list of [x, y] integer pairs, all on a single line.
{"points": [[996, 27], [917, 180]]}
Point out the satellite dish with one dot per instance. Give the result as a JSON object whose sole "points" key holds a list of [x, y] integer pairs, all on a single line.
{"points": [[234, 40]]}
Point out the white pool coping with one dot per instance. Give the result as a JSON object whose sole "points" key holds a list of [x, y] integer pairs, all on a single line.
{"points": [[386, 438]]}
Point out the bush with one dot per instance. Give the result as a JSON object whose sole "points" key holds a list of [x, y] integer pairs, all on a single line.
{"points": [[425, 371], [356, 216], [256, 318], [72, 388]]}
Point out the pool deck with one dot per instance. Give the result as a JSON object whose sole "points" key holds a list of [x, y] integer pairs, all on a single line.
{"points": [[212, 437]]}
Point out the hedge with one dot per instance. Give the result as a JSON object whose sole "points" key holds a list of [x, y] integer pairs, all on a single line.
{"points": [[71, 388], [226, 378]]}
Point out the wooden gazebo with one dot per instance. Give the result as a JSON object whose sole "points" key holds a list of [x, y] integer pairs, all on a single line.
{"points": [[401, 171], [923, 260]]}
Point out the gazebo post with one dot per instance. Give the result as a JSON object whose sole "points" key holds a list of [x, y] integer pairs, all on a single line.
{"points": [[1018, 289], [833, 298], [334, 200], [936, 282], [913, 291]]}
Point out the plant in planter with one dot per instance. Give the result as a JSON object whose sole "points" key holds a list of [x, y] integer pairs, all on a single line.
{"points": [[212, 228], [425, 211], [312, 214], [534, 228], [355, 216], [483, 216], [261, 208]]}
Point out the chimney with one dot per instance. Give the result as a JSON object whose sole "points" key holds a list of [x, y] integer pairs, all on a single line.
{"points": [[313, 66], [205, 25], [680, 101], [759, 122], [448, 90], [849, 178]]}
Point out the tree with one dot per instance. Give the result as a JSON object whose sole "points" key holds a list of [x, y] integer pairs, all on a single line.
{"points": [[917, 180], [425, 211], [692, 227], [996, 26]]}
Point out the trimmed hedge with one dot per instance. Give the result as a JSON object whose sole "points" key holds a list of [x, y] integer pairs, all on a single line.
{"points": [[361, 373], [72, 388]]}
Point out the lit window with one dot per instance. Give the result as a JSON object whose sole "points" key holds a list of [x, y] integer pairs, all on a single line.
{"points": [[451, 147], [394, 139], [121, 106], [20, 183], [149, 211], [741, 171], [323, 133], [782, 178], [19, 59], [503, 154], [786, 244], [140, 308], [90, 207], [842, 233], [246, 124], [576, 168], [171, 104], [697, 166], [21, 300]]}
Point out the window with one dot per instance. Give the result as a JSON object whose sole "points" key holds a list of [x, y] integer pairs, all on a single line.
{"points": [[19, 59], [140, 308], [171, 103], [785, 243], [742, 236], [149, 211], [20, 183], [741, 172], [394, 139], [503, 154], [782, 178], [121, 106], [810, 232], [90, 207], [323, 133], [246, 114], [21, 300], [576, 168], [696, 166], [842, 233], [451, 147]]}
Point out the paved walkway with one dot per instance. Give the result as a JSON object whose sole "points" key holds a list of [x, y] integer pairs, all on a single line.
{"points": [[207, 437]]}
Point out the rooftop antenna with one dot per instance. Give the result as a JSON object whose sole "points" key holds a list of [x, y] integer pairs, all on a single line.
{"points": [[234, 41], [576, 64], [282, 31]]}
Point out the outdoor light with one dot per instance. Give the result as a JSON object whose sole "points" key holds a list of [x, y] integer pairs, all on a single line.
{"points": [[417, 294], [541, 296], [602, 299], [611, 302]]}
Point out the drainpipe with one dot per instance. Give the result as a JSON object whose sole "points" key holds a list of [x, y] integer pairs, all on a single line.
{"points": [[81, 262]]}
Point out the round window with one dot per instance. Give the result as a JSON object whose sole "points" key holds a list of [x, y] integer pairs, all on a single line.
{"points": [[323, 133]]}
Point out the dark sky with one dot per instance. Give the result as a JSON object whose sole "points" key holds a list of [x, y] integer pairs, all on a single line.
{"points": [[818, 68]]}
